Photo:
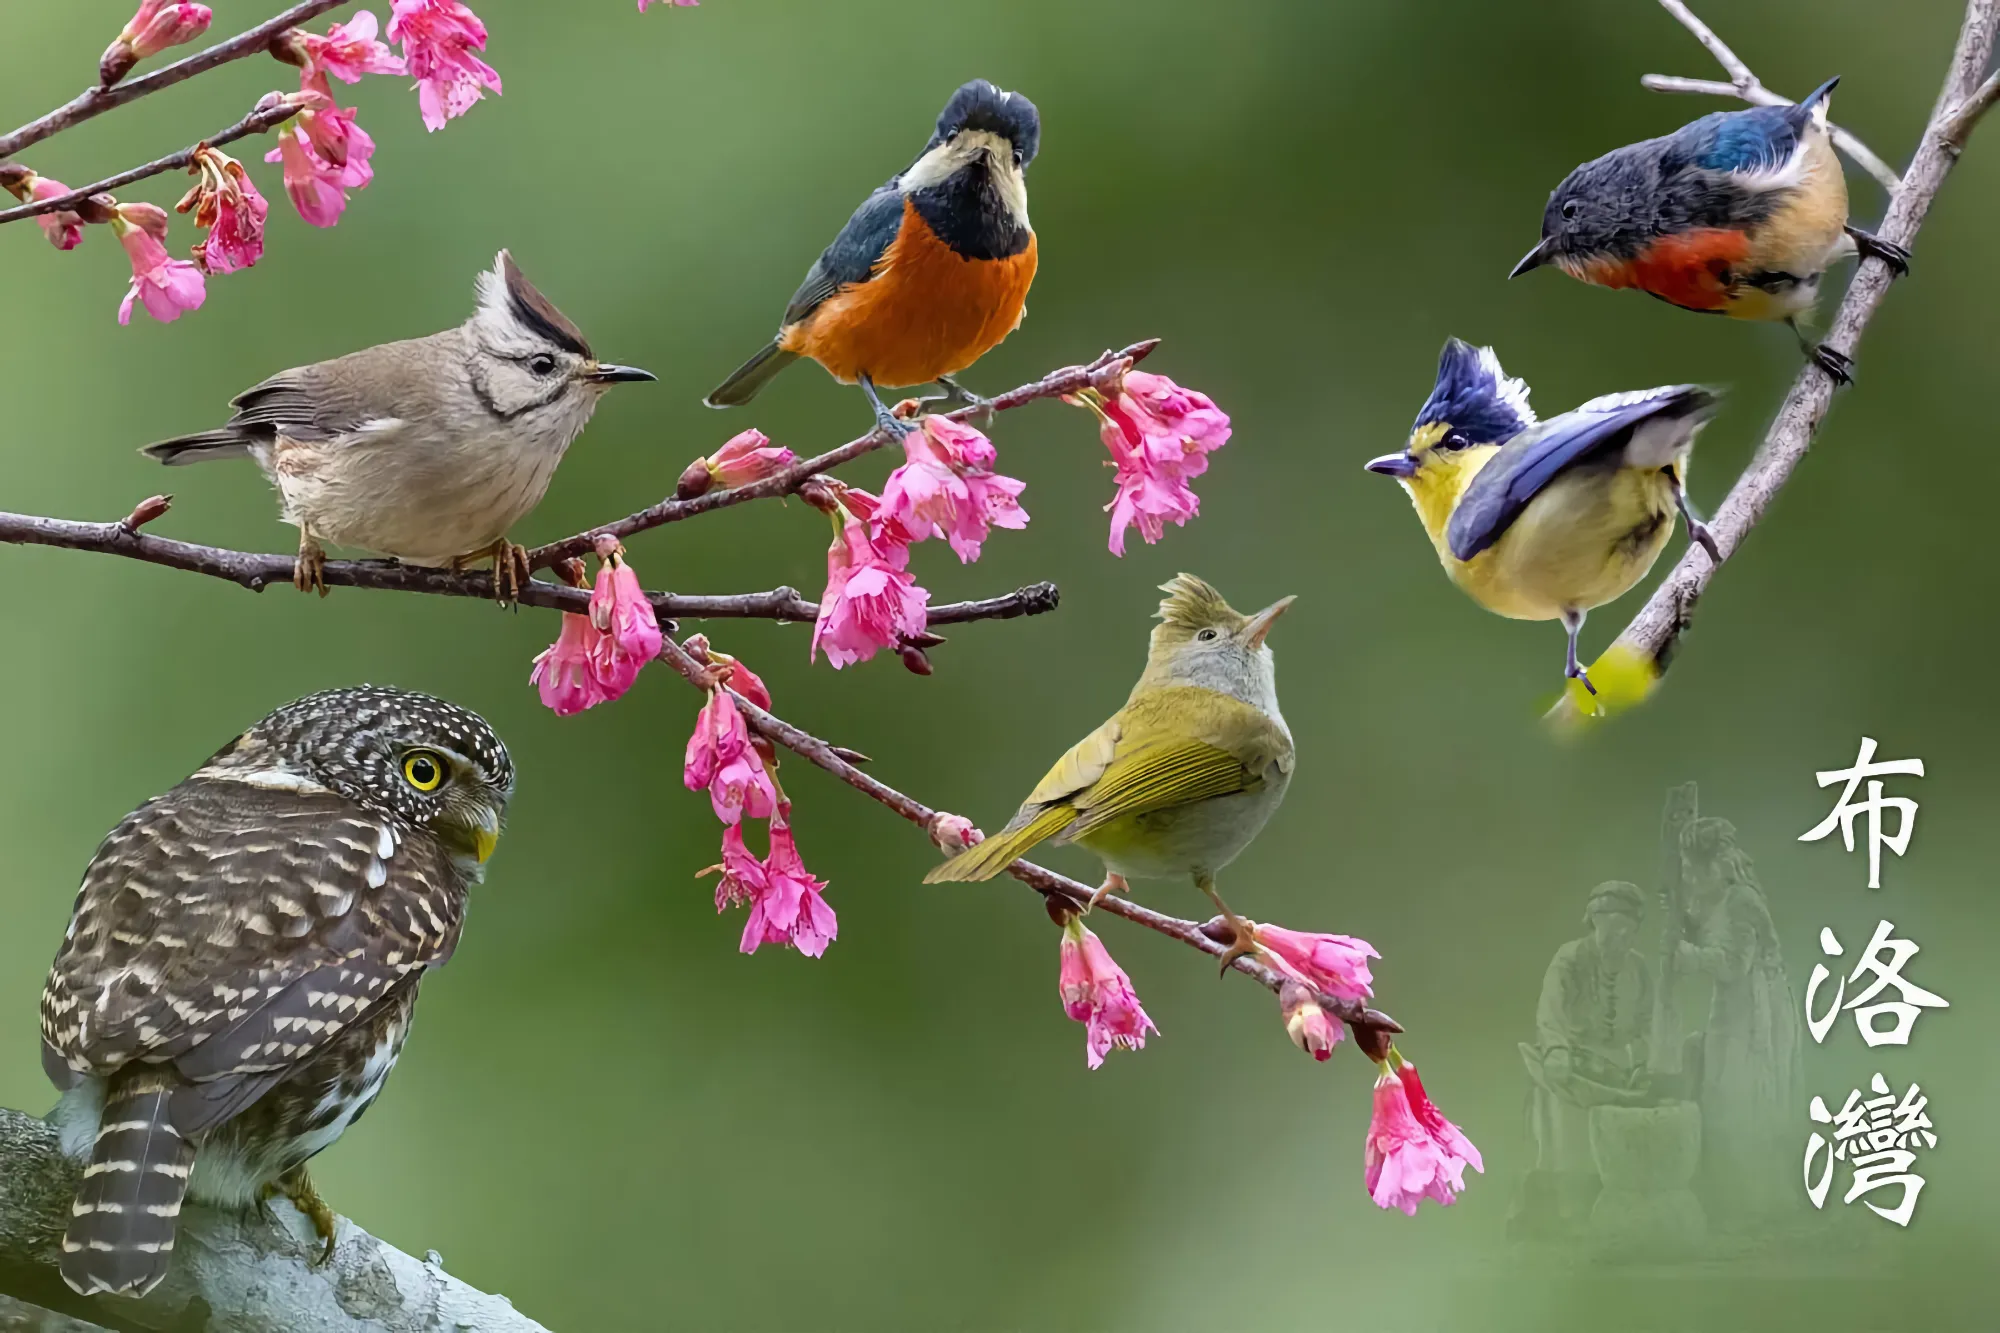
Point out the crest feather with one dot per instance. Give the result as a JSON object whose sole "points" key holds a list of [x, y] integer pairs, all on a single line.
{"points": [[1192, 603], [506, 291]]}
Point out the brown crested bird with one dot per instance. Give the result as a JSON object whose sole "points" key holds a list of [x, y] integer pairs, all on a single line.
{"points": [[243, 960]]}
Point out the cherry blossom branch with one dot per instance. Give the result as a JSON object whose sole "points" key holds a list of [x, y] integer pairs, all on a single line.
{"points": [[1102, 373], [96, 100], [1745, 86], [1655, 631], [1210, 937], [257, 571], [271, 111], [251, 1272]]}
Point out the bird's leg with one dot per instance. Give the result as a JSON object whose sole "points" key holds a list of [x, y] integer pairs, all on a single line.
{"points": [[510, 568], [982, 407], [1113, 883], [1697, 530], [1572, 667], [1245, 943], [1839, 366], [1870, 246], [309, 570], [885, 420], [297, 1186]]}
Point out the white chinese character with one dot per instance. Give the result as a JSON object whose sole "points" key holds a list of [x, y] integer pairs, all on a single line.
{"points": [[1847, 809], [1887, 971], [1876, 1138]]}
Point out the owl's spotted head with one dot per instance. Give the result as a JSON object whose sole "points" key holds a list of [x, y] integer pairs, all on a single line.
{"points": [[428, 762]]}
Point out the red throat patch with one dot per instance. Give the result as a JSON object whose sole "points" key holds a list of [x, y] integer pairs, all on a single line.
{"points": [[1692, 270]]}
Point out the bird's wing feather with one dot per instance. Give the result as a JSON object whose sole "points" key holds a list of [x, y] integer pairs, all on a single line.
{"points": [[351, 395], [231, 930], [1758, 147], [854, 253], [1527, 464], [1079, 768], [1169, 772]]}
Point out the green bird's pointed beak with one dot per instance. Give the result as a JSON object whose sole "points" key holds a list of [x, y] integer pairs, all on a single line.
{"points": [[1260, 624]]}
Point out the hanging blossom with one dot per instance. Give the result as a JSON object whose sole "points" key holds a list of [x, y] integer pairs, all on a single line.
{"points": [[1412, 1152], [745, 457], [1096, 993], [722, 761], [438, 38], [947, 488], [787, 903], [347, 51], [1160, 436], [1310, 1027], [1336, 964], [871, 602], [597, 655], [164, 285], [63, 228], [156, 26], [324, 154], [227, 204]]}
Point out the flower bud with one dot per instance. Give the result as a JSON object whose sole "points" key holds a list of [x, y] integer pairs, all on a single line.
{"points": [[915, 660], [694, 482], [1310, 1027]]}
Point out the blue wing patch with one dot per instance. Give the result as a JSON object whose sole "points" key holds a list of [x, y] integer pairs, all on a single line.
{"points": [[1526, 466], [1761, 139], [853, 255]]}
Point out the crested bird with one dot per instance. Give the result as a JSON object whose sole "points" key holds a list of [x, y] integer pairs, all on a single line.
{"points": [[429, 449], [1739, 213], [1179, 780], [930, 273], [1544, 520], [243, 958]]}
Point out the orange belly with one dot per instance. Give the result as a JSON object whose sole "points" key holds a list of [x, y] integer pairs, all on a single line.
{"points": [[926, 312], [1692, 269]]}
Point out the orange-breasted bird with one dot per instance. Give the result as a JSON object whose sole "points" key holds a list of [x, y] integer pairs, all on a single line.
{"points": [[930, 273], [1739, 213]]}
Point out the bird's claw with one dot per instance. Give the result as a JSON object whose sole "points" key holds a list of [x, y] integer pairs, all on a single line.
{"points": [[1839, 366], [1112, 884], [1699, 534], [297, 1186], [1870, 246], [1578, 673], [956, 393], [511, 571], [309, 570]]}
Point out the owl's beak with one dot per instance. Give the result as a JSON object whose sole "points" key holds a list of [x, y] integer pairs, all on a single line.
{"points": [[484, 840]]}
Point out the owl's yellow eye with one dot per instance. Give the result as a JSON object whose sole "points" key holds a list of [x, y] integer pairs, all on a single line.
{"points": [[423, 770]]}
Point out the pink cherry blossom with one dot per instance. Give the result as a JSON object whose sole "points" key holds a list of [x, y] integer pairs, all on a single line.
{"points": [[745, 681], [746, 457], [439, 37], [348, 51], [628, 631], [1310, 1027], [564, 672], [158, 26], [227, 203], [952, 834], [325, 154], [63, 228], [1336, 964], [947, 488], [793, 909], [871, 602], [1160, 436], [165, 286], [1097, 993], [1450, 1139], [721, 759], [1405, 1163], [743, 879]]}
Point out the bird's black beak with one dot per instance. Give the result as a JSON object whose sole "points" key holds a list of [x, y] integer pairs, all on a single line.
{"points": [[1534, 259], [1394, 465], [618, 375]]}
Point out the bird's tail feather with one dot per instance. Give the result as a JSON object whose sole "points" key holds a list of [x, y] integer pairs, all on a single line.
{"points": [[199, 448], [121, 1226], [751, 376], [986, 859]]}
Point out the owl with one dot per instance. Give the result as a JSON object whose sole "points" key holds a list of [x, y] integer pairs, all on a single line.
{"points": [[243, 960]]}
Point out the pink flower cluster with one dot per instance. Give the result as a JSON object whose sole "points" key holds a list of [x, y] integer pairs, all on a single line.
{"points": [[1097, 993], [1160, 436], [597, 656], [1413, 1152], [164, 285], [227, 204], [947, 488], [1336, 964], [787, 904], [439, 38]]}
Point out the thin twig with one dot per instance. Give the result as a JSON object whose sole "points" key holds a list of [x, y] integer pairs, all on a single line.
{"points": [[1959, 127], [267, 115], [1655, 632], [1044, 881], [96, 100], [1739, 73], [1758, 95], [1056, 383]]}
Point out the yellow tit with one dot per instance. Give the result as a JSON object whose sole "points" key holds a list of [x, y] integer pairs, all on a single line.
{"points": [[1545, 520], [1183, 776]]}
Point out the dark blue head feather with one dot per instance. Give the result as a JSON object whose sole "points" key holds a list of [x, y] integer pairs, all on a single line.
{"points": [[1475, 398], [980, 105]]}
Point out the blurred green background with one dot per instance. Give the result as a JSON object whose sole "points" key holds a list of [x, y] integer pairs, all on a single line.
{"points": [[612, 1116]]}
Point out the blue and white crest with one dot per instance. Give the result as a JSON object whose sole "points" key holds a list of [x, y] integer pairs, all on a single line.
{"points": [[1473, 396]]}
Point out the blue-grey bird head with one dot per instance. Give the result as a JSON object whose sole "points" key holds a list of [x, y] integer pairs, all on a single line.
{"points": [[969, 184], [1715, 173], [981, 106], [423, 760]]}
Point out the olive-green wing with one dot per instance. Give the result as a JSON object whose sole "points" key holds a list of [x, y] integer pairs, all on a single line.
{"points": [[1158, 775], [1047, 811]]}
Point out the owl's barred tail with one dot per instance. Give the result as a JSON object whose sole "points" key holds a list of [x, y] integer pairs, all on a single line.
{"points": [[121, 1227], [751, 376], [984, 860]]}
